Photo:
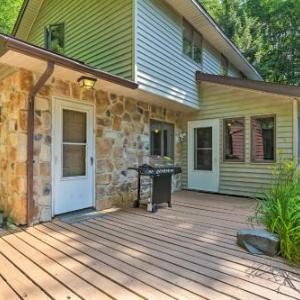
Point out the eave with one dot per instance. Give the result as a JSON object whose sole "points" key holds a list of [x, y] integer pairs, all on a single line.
{"points": [[24, 48], [254, 85]]}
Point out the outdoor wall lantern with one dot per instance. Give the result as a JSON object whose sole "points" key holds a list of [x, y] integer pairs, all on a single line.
{"points": [[87, 82]]}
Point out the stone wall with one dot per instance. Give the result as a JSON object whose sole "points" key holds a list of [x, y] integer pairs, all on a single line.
{"points": [[13, 143], [122, 140]]}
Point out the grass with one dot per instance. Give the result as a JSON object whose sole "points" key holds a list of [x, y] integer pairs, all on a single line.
{"points": [[279, 209]]}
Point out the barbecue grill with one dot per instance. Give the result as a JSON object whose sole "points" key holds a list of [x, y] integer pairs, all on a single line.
{"points": [[160, 184]]}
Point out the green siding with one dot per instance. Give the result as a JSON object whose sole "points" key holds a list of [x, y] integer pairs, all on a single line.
{"points": [[218, 102], [97, 32]]}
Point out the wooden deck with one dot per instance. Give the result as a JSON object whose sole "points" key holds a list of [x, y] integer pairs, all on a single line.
{"points": [[184, 252]]}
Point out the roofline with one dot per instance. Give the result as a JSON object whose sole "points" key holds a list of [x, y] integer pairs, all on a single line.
{"points": [[20, 16], [224, 35], [262, 86], [12, 43]]}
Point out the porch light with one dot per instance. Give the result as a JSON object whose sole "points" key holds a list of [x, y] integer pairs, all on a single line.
{"points": [[87, 82]]}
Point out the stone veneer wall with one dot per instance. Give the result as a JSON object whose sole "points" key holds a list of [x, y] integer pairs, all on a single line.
{"points": [[122, 140], [13, 143]]}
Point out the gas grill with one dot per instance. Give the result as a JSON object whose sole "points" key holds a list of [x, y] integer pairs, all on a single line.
{"points": [[160, 184]]}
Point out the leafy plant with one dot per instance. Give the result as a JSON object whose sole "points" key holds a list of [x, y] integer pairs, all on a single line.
{"points": [[279, 209]]}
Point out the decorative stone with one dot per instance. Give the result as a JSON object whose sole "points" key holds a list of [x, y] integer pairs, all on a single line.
{"points": [[117, 122], [61, 88], [126, 117], [23, 120], [107, 122], [41, 104], [118, 109], [258, 241], [45, 169], [130, 105], [102, 101], [25, 80], [104, 147]]}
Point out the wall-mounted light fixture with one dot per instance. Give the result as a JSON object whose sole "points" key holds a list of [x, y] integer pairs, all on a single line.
{"points": [[87, 82]]}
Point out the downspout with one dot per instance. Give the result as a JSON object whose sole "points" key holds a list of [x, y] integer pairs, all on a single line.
{"points": [[30, 138]]}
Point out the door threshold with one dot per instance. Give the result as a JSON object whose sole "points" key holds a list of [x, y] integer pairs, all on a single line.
{"points": [[82, 215]]}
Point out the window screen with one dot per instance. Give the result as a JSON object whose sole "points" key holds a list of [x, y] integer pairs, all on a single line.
{"points": [[203, 149]]}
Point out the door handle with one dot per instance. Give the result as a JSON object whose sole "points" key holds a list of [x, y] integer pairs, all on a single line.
{"points": [[92, 160]]}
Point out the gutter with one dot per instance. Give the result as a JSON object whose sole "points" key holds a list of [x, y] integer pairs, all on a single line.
{"points": [[30, 137]]}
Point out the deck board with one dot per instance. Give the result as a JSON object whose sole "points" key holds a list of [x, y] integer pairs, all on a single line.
{"points": [[188, 251]]}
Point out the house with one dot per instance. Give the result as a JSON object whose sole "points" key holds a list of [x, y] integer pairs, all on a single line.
{"points": [[167, 82]]}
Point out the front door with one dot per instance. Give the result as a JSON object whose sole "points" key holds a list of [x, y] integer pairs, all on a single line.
{"points": [[203, 155], [73, 156]]}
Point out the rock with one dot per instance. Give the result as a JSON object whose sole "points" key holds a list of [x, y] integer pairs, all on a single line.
{"points": [[258, 242]]}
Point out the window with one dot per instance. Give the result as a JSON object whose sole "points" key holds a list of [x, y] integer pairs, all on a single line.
{"points": [[234, 140], [192, 42], [161, 139], [242, 75], [74, 143], [55, 37], [263, 139], [203, 149], [224, 65]]}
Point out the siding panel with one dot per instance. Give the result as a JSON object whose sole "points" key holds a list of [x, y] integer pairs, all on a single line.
{"points": [[162, 68], [99, 34], [218, 102]]}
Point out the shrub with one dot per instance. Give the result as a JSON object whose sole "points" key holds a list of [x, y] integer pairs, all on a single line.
{"points": [[279, 209]]}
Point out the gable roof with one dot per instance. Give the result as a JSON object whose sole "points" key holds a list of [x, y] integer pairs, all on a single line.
{"points": [[261, 86], [189, 9]]}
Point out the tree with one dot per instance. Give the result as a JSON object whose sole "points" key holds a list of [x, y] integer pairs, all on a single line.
{"points": [[9, 10], [280, 61], [266, 31]]}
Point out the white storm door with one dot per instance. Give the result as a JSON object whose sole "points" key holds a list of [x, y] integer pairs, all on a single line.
{"points": [[203, 155], [73, 156]]}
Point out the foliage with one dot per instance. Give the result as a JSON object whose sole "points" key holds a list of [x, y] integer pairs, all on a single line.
{"points": [[9, 10], [279, 209], [266, 31]]}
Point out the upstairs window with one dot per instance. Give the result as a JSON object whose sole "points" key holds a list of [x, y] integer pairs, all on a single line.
{"points": [[55, 37], [161, 139], [192, 42], [234, 140], [224, 65], [263, 139]]}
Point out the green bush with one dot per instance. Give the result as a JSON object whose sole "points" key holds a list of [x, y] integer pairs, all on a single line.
{"points": [[279, 209]]}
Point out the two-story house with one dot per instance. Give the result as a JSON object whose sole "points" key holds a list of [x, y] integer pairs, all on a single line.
{"points": [[90, 88]]}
